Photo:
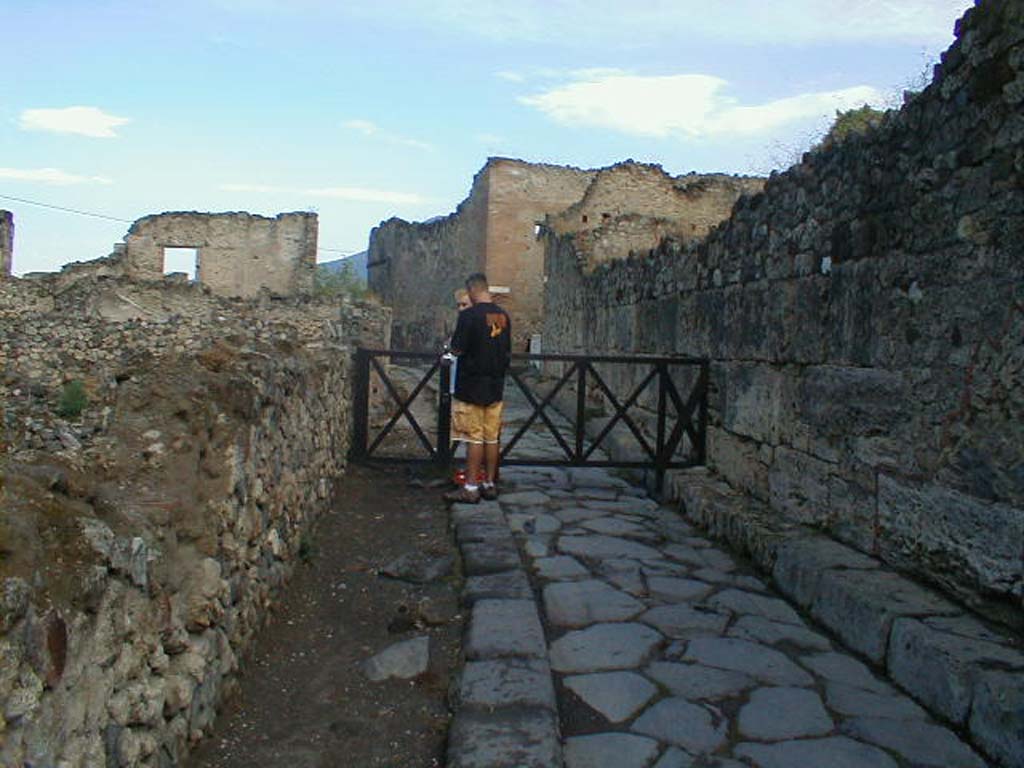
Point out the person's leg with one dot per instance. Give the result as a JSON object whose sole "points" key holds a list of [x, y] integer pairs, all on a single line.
{"points": [[492, 454], [475, 457]]}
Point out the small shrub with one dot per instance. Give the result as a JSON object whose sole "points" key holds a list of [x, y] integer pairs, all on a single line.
{"points": [[343, 283], [72, 400]]}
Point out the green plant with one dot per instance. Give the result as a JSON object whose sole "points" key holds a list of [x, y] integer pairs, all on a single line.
{"points": [[343, 282], [72, 400], [852, 121]]}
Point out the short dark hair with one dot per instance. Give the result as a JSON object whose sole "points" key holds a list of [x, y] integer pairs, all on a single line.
{"points": [[477, 282]]}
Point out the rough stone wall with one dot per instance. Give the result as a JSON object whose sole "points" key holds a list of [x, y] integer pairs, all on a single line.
{"points": [[143, 542], [415, 268], [520, 195], [239, 253], [633, 206], [865, 319], [6, 243]]}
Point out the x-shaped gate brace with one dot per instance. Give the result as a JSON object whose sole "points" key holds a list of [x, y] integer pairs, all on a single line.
{"points": [[690, 416]]}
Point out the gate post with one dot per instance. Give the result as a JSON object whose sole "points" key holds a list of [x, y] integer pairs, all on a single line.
{"points": [[361, 405], [444, 414]]}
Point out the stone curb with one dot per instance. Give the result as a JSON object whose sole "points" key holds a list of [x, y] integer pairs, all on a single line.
{"points": [[960, 670], [505, 715]]}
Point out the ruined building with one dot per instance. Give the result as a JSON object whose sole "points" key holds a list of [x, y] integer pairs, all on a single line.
{"points": [[414, 267], [6, 243]]}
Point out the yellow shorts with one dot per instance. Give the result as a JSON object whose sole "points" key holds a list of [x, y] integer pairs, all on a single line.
{"points": [[476, 423]]}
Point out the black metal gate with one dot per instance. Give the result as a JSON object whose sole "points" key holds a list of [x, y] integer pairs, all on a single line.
{"points": [[675, 417]]}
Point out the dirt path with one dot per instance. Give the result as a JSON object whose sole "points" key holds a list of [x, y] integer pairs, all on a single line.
{"points": [[304, 701]]}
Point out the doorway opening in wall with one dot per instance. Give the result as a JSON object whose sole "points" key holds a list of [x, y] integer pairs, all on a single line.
{"points": [[178, 260]]}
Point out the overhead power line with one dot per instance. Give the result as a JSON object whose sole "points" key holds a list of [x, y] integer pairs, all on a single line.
{"points": [[78, 212]]}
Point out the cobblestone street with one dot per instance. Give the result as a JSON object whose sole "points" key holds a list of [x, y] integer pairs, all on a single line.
{"points": [[624, 638]]}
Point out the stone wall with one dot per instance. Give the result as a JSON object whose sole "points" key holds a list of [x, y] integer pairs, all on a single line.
{"points": [[865, 320], [415, 268], [633, 206], [239, 254], [143, 541], [6, 243], [519, 196]]}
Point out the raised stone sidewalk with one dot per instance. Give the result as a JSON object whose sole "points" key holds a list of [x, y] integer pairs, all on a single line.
{"points": [[607, 631]]}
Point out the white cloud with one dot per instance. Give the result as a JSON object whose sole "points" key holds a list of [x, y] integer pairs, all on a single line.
{"points": [[586, 22], [366, 127], [370, 128], [82, 121], [694, 106], [350, 194], [53, 176]]}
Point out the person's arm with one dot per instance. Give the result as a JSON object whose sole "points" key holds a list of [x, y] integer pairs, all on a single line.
{"points": [[460, 338]]}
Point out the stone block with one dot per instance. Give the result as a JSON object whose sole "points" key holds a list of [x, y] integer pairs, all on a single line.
{"points": [[505, 738], [505, 683], [501, 628], [750, 400], [507, 585], [801, 562], [798, 485], [997, 716], [938, 665], [489, 557], [739, 461], [860, 606], [944, 531]]}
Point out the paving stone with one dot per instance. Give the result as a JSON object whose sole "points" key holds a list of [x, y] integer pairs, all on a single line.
{"points": [[609, 750], [524, 499], [580, 603], [507, 682], [602, 547], [560, 568], [750, 604], [591, 477], [770, 633], [833, 752], [636, 506], [717, 559], [800, 563], [485, 511], [631, 582], [997, 715], [854, 702], [860, 606], [740, 580], [508, 585], [608, 494], [603, 647], [676, 590], [479, 531], [614, 526], [533, 523], [504, 738], [679, 722], [615, 695], [575, 514], [403, 660], [684, 554], [487, 557], [504, 628], [419, 568], [684, 621], [758, 660], [695, 681], [677, 758], [919, 742], [776, 714], [939, 666], [840, 668], [538, 546]]}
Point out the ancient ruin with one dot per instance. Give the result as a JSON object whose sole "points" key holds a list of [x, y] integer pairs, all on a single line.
{"points": [[166, 446], [6, 243], [414, 267]]}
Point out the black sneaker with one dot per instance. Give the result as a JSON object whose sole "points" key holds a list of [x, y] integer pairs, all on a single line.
{"points": [[488, 492], [462, 496]]}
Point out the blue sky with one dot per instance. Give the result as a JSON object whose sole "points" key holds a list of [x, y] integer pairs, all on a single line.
{"points": [[362, 111]]}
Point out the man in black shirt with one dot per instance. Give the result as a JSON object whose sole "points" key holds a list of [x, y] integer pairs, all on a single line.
{"points": [[483, 343]]}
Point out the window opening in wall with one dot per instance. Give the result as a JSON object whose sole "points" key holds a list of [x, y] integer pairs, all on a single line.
{"points": [[584, 218], [182, 260]]}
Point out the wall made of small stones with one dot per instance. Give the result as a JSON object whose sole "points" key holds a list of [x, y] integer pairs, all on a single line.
{"points": [[6, 243], [865, 321], [144, 542]]}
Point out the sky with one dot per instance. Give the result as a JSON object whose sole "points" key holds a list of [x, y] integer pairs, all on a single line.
{"points": [[361, 111]]}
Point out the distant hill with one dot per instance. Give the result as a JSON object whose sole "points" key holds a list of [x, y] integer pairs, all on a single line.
{"points": [[357, 260]]}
